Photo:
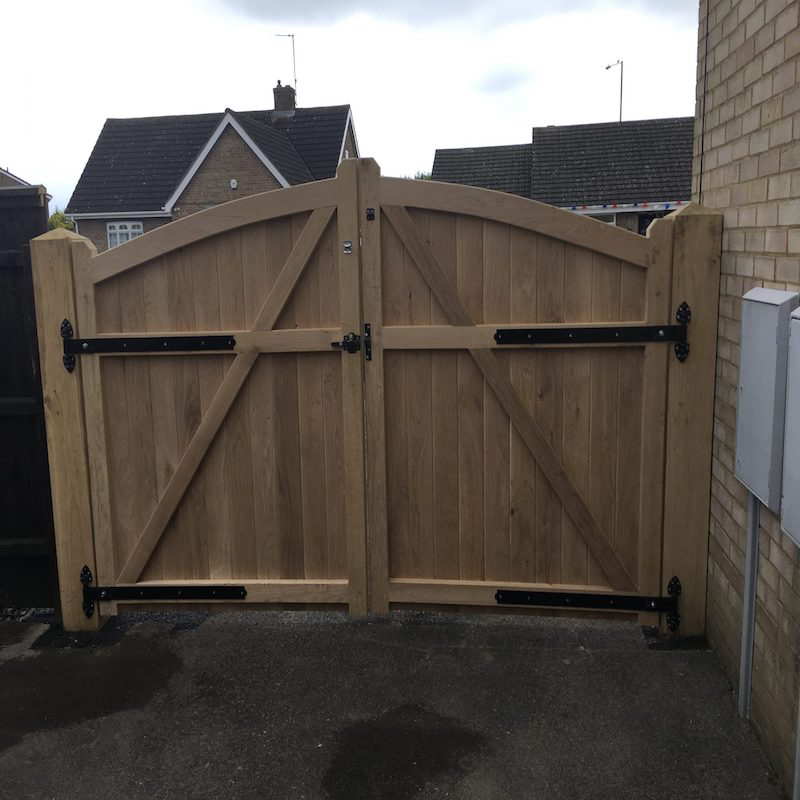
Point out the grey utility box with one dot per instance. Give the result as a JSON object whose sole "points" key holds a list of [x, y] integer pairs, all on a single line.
{"points": [[790, 505], [762, 392]]}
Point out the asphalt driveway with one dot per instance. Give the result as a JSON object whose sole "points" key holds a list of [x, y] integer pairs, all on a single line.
{"points": [[301, 705]]}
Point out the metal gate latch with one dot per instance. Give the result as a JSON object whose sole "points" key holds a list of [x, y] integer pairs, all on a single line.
{"points": [[351, 343]]}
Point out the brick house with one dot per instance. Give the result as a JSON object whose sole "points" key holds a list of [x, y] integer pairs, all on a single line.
{"points": [[626, 173], [747, 164], [146, 172]]}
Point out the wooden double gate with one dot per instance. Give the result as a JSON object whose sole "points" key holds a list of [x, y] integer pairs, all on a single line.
{"points": [[305, 397]]}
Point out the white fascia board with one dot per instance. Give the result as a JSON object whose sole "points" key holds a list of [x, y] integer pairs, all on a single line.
{"points": [[226, 120], [627, 208], [119, 214], [348, 125], [14, 177]]}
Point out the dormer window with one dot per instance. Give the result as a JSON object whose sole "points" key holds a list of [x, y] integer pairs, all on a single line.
{"points": [[121, 232]]}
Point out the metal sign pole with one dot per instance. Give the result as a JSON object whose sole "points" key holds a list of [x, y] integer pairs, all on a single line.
{"points": [[749, 606]]}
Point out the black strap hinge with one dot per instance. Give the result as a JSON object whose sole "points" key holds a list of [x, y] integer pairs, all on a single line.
{"points": [[94, 594], [597, 601], [604, 334]]}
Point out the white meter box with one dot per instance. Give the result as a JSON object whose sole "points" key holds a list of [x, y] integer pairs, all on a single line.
{"points": [[762, 392], [790, 506]]}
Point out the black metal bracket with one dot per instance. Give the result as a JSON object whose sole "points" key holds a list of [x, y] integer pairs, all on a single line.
{"points": [[94, 594], [139, 344], [367, 341], [598, 601], [350, 343], [606, 334], [66, 334]]}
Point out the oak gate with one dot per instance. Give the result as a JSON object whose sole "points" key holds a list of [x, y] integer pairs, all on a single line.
{"points": [[372, 392]]}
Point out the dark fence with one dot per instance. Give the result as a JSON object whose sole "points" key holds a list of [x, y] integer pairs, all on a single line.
{"points": [[27, 564]]}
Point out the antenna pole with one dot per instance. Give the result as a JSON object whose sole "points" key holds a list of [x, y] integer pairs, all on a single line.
{"points": [[294, 61], [621, 68]]}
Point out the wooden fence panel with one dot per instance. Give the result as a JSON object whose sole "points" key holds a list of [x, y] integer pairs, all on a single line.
{"points": [[437, 468]]}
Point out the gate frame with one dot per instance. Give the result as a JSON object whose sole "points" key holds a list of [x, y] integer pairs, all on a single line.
{"points": [[687, 242]]}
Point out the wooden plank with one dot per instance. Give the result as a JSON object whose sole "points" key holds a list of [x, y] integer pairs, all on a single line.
{"points": [[418, 428], [533, 436], [472, 593], [64, 421], [264, 591], [548, 408], [462, 306], [654, 398], [575, 437], [216, 220], [374, 396], [522, 548], [348, 214], [444, 389], [604, 442], [82, 252], [520, 212], [497, 444], [223, 399], [695, 279], [236, 555]]}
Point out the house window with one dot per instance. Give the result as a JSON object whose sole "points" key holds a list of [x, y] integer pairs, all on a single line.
{"points": [[121, 232]]}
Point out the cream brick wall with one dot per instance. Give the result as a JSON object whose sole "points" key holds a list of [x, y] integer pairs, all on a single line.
{"points": [[229, 158], [95, 229], [751, 172]]}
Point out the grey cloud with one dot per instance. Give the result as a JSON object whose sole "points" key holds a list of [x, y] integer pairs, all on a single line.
{"points": [[425, 12]]}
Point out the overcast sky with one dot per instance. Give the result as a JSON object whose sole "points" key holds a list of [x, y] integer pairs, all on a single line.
{"points": [[419, 74]]}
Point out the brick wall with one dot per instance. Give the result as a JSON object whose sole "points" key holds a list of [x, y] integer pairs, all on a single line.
{"points": [[95, 229], [751, 172], [229, 158]]}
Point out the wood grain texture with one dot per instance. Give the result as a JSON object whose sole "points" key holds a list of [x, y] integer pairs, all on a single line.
{"points": [[67, 442]]}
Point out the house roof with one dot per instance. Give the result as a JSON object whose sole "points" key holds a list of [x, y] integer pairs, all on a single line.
{"points": [[16, 179], [506, 168], [136, 164], [610, 162]]}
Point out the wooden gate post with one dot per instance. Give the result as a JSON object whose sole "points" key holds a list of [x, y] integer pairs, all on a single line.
{"points": [[54, 292], [690, 412]]}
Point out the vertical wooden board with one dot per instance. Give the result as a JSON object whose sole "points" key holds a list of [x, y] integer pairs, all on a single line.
{"points": [[397, 489], [606, 287], [107, 310], [690, 415], [334, 445], [548, 407], [168, 561], [64, 417], [288, 477], [261, 397], [577, 409], [120, 467], [392, 276], [279, 242], [419, 431], [311, 428], [239, 551], [497, 446], [254, 270], [141, 492], [633, 300], [469, 254], [629, 457], [307, 284], [328, 268], [180, 302], [470, 468], [522, 533], [209, 481], [444, 402]]}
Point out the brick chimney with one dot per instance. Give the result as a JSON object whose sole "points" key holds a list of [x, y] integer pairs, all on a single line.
{"points": [[284, 97]]}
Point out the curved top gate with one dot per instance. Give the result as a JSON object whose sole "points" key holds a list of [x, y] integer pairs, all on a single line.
{"points": [[370, 391]]}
